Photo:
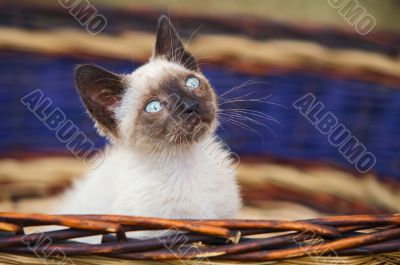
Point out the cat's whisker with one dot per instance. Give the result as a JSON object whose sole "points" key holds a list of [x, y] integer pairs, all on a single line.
{"points": [[240, 97], [247, 83], [250, 112], [232, 119], [197, 58], [190, 39], [194, 53], [260, 100], [163, 153], [240, 114], [232, 89], [154, 150], [243, 125], [197, 64], [245, 97], [243, 117], [246, 118], [168, 156]]}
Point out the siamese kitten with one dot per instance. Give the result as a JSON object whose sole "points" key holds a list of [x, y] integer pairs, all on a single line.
{"points": [[164, 159]]}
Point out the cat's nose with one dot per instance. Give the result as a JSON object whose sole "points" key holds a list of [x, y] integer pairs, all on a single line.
{"points": [[190, 105]]}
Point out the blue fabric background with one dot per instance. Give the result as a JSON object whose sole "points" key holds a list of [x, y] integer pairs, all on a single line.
{"points": [[371, 111]]}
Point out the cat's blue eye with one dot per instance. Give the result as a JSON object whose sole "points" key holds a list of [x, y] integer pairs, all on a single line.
{"points": [[153, 106], [192, 83]]}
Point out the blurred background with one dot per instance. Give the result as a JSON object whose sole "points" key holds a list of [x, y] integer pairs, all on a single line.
{"points": [[264, 55]]}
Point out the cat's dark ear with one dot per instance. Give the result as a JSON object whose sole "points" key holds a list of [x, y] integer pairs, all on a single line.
{"points": [[100, 91], [169, 46]]}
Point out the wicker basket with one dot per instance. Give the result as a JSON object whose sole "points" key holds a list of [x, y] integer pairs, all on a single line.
{"points": [[363, 239]]}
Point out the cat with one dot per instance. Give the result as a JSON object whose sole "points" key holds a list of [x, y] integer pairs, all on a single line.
{"points": [[164, 159]]}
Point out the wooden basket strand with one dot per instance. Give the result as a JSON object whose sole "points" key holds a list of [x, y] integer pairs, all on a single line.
{"points": [[228, 240]]}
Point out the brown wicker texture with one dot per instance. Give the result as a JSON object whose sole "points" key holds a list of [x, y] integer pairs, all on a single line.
{"points": [[331, 239]]}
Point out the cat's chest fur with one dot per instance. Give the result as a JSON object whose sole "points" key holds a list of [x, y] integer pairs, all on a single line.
{"points": [[197, 183]]}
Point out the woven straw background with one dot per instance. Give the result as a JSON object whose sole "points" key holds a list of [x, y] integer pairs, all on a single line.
{"points": [[33, 185]]}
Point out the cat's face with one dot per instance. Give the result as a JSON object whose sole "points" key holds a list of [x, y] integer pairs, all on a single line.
{"points": [[165, 102]]}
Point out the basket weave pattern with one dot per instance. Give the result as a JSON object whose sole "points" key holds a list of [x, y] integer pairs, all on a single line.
{"points": [[233, 240]]}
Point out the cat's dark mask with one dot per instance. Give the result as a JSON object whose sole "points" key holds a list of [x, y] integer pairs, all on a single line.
{"points": [[167, 99]]}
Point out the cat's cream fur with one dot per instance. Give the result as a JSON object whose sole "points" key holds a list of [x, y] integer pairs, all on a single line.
{"points": [[195, 180]]}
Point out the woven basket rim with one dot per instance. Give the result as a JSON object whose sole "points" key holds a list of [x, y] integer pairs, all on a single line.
{"points": [[222, 240]]}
